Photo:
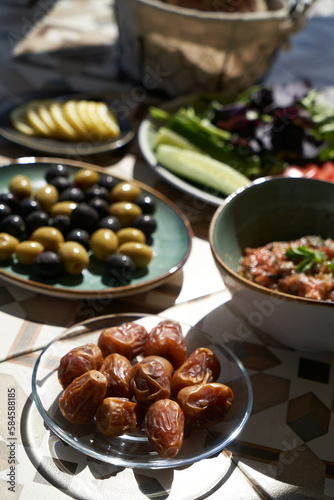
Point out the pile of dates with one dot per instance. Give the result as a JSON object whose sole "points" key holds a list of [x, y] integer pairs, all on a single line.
{"points": [[59, 226], [164, 393]]}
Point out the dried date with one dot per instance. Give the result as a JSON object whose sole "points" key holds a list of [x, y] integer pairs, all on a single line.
{"points": [[79, 401], [167, 340], [164, 425], [77, 362], [151, 379], [206, 404], [117, 370], [127, 339], [117, 416], [201, 367]]}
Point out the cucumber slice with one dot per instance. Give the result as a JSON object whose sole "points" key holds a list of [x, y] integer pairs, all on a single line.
{"points": [[167, 136], [200, 168]]}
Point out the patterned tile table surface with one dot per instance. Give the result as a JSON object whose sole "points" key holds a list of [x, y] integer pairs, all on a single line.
{"points": [[286, 450], [286, 445]]}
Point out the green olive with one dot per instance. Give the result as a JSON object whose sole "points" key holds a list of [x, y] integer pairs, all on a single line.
{"points": [[125, 211], [74, 257], [47, 196], [140, 253], [130, 234], [26, 251], [103, 242], [63, 208], [50, 237], [8, 244], [125, 191], [86, 178], [20, 186]]}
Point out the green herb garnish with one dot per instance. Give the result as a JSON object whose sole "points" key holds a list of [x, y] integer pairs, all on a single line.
{"points": [[305, 257]]}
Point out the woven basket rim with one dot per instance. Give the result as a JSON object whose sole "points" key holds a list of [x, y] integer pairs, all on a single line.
{"points": [[280, 13]]}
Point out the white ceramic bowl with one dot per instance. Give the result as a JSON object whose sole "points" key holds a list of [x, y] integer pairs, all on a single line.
{"points": [[267, 210]]}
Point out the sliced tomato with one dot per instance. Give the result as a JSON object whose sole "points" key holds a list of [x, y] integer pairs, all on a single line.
{"points": [[326, 171], [310, 171]]}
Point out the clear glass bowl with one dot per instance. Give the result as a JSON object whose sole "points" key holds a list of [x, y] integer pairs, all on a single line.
{"points": [[134, 450]]}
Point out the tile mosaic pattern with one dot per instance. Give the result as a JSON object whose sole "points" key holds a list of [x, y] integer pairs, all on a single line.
{"points": [[292, 420], [289, 427], [308, 417], [286, 431]]}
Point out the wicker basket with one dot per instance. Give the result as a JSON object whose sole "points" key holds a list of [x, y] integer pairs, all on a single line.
{"points": [[179, 50]]}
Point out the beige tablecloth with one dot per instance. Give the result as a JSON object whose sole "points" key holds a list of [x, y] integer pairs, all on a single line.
{"points": [[286, 447]]}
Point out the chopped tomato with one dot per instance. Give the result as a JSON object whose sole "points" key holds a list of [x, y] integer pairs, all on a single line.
{"points": [[326, 172], [293, 171], [312, 171]]}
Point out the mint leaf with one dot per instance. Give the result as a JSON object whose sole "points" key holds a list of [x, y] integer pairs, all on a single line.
{"points": [[305, 257]]}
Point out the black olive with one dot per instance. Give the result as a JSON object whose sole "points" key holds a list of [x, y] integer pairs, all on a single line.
{"points": [[120, 267], [47, 263], [28, 205], [55, 171], [62, 222], [100, 205], [10, 200], [72, 194], [4, 210], [108, 181], [110, 222], [13, 224], [79, 236], [97, 192], [145, 223], [84, 217], [147, 204], [61, 183], [35, 220]]}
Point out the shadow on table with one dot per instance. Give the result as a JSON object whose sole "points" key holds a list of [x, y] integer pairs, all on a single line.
{"points": [[86, 478], [275, 440], [37, 308]]}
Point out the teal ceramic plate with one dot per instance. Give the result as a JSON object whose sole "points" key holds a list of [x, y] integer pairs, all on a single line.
{"points": [[58, 147], [146, 139], [171, 243]]}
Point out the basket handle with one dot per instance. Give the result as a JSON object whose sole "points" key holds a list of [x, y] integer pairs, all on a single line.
{"points": [[299, 7]]}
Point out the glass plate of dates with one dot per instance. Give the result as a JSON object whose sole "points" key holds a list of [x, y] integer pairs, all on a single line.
{"points": [[141, 391]]}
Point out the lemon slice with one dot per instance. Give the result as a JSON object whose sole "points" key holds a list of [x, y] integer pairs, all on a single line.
{"points": [[45, 115], [34, 119], [72, 116], [18, 118], [70, 120], [63, 126], [82, 109], [108, 118], [85, 114], [96, 119]]}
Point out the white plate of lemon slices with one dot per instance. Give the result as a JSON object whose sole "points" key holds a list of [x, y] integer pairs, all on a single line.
{"points": [[70, 125]]}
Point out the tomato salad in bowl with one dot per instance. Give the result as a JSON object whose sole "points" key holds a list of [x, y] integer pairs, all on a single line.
{"points": [[272, 241], [303, 267]]}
